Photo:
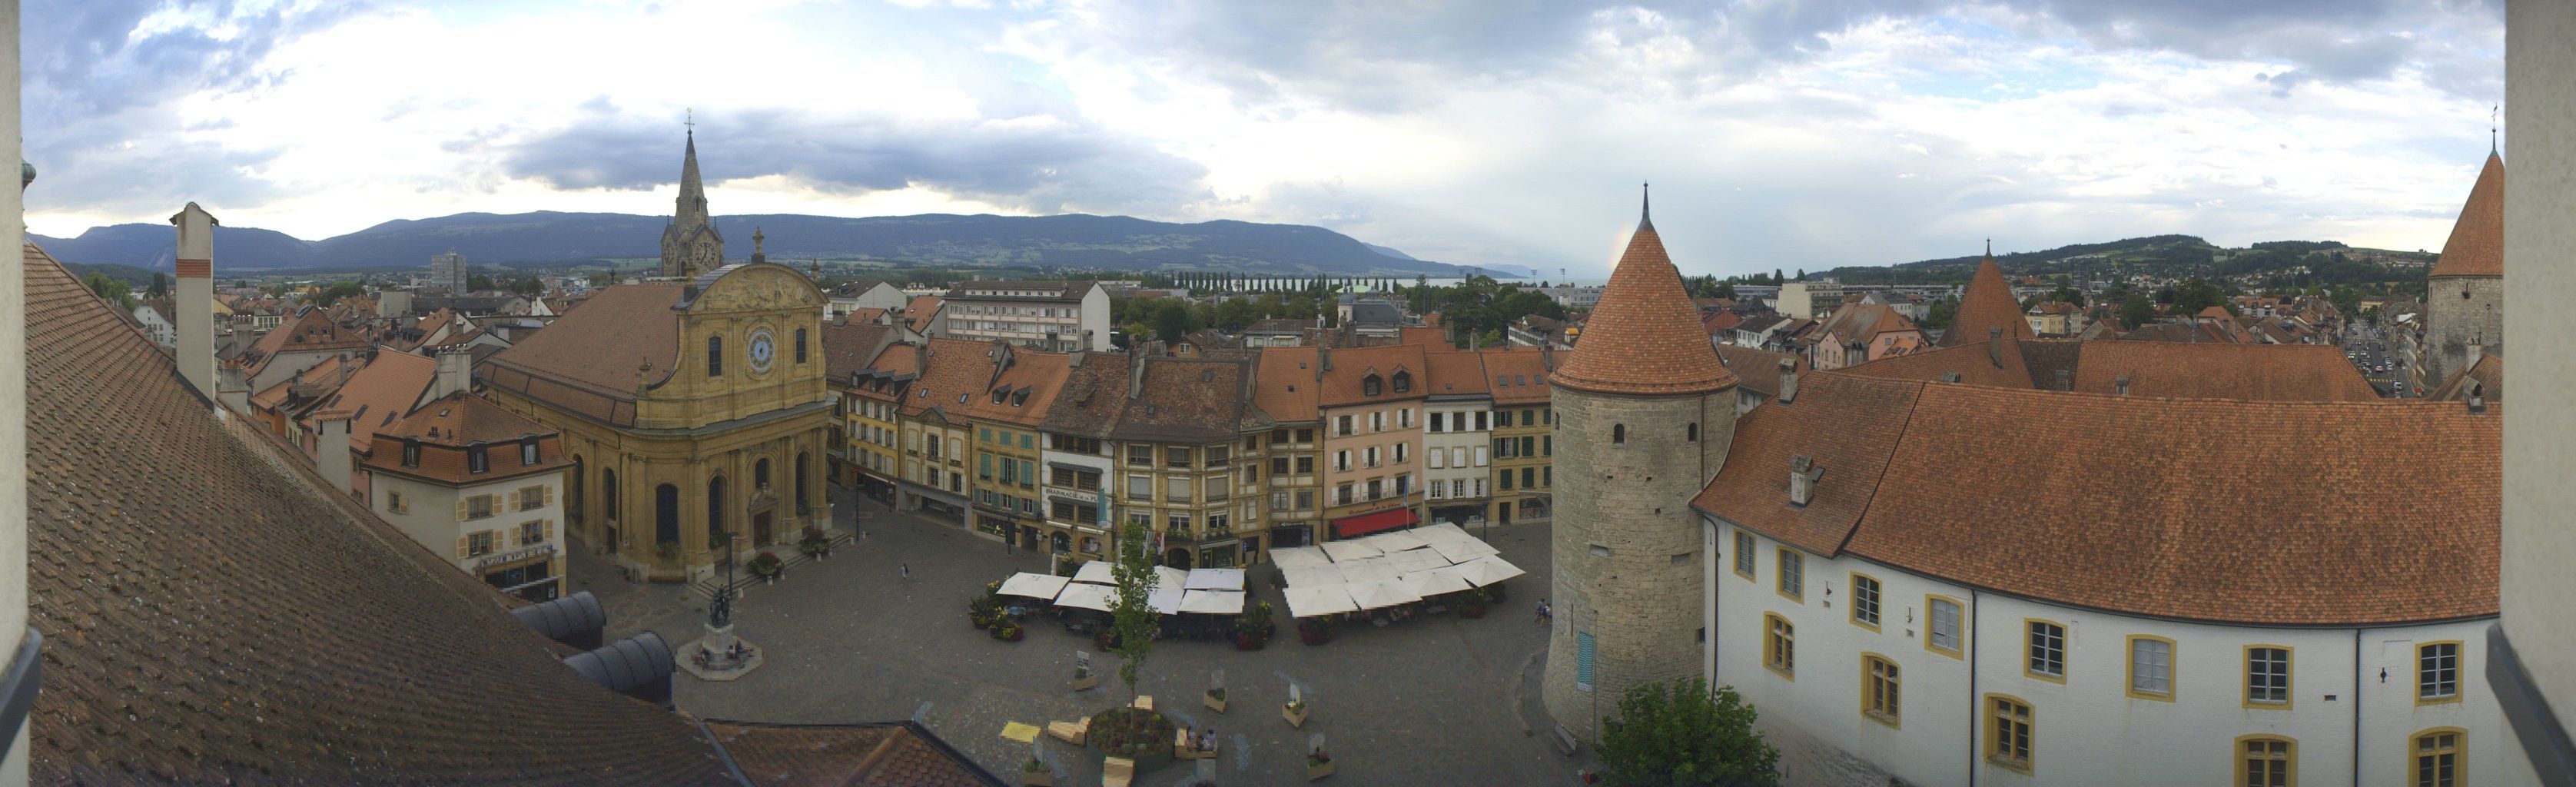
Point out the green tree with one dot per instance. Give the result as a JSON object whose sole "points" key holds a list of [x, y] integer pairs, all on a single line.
{"points": [[1171, 319], [337, 291], [1682, 735], [2136, 310], [2193, 295], [1941, 313], [1233, 314], [1726, 290], [160, 285], [113, 291], [2067, 294], [602, 278], [478, 282], [528, 286], [1133, 615]]}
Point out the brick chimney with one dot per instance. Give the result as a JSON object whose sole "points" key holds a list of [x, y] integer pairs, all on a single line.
{"points": [[2123, 384], [455, 373], [194, 310], [1788, 380], [331, 454], [231, 389], [2477, 398], [1995, 346]]}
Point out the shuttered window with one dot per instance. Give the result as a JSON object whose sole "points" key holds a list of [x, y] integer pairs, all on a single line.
{"points": [[1583, 661]]}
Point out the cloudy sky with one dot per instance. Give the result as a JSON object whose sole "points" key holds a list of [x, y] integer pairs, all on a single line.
{"points": [[1778, 133]]}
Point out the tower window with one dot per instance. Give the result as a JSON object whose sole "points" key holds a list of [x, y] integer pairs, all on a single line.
{"points": [[800, 345], [1618, 434], [715, 356], [1693, 433]]}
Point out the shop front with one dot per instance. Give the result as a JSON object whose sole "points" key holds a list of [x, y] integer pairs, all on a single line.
{"points": [[527, 573], [935, 505], [1373, 522]]}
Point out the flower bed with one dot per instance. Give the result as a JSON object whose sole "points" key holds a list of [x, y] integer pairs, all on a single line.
{"points": [[1142, 735]]}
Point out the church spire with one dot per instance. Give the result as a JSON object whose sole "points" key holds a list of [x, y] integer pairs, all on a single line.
{"points": [[1645, 206], [690, 244]]}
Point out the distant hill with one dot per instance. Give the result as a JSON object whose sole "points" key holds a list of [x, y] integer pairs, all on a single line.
{"points": [[1387, 251], [2164, 255], [1076, 242]]}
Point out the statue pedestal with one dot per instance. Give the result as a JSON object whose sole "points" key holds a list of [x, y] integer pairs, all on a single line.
{"points": [[707, 657]]}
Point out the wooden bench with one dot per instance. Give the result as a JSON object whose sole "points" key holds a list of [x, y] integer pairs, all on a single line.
{"points": [[1564, 740], [1117, 772], [1073, 732]]}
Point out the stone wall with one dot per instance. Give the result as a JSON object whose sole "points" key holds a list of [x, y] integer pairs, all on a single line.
{"points": [[1626, 546], [2452, 323]]}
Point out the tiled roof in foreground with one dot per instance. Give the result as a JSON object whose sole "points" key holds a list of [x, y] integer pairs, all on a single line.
{"points": [[1644, 337], [213, 614], [2196, 509]]}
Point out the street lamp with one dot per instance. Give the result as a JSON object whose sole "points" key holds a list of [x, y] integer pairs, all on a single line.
{"points": [[720, 613]]}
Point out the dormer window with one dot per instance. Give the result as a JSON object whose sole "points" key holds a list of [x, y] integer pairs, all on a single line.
{"points": [[1403, 382], [528, 452], [411, 453], [1370, 385], [477, 460]]}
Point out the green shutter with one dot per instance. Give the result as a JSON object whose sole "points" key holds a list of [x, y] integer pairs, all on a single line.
{"points": [[1583, 661]]}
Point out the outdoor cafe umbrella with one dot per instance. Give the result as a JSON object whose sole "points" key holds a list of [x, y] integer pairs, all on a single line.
{"points": [[1169, 578], [1318, 600], [1394, 541], [1215, 579], [1095, 572], [1212, 602], [1033, 585], [1432, 583], [1081, 596], [1165, 601], [1380, 594], [1487, 570], [1344, 551], [1310, 576], [1463, 551], [1299, 557], [1371, 570]]}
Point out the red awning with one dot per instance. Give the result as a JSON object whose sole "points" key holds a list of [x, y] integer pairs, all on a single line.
{"points": [[1364, 524]]}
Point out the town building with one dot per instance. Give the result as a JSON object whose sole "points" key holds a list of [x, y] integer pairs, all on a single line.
{"points": [[1457, 437], [2464, 292], [1524, 434], [1859, 333], [153, 316], [1987, 308], [852, 296], [464, 477], [1288, 392], [1080, 468], [1370, 400], [287, 350], [1810, 300], [867, 396], [447, 272], [1053, 316], [933, 478], [1005, 410], [1647, 412], [1276, 332], [1190, 460]]}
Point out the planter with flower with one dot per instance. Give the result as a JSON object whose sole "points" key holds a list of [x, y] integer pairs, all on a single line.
{"points": [[1141, 735], [1318, 765], [1471, 604], [1252, 631], [1294, 712], [1083, 680], [984, 611], [815, 544], [1035, 774], [1314, 632], [1008, 630], [1214, 700], [767, 566]]}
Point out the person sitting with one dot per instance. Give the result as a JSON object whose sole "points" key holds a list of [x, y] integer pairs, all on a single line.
{"points": [[1210, 744]]}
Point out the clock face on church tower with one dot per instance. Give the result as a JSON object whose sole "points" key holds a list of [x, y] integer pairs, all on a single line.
{"points": [[762, 350]]}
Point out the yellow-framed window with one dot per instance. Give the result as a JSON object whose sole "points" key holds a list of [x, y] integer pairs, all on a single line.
{"points": [[1881, 688], [2151, 668], [2044, 646], [1793, 574], [2437, 756], [1780, 646], [2009, 732], [1866, 595], [2267, 761], [2267, 676], [2437, 672]]}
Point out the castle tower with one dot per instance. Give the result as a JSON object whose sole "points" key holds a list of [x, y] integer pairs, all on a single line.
{"points": [[1988, 303], [2464, 293], [1644, 415], [690, 245]]}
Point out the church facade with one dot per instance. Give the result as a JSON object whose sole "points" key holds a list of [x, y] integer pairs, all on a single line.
{"points": [[695, 413]]}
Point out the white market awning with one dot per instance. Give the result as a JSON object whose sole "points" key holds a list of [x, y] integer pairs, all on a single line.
{"points": [[1165, 601], [1172, 579], [1095, 572], [1413, 560], [1379, 595], [1033, 585], [1432, 583], [1463, 551], [1212, 602], [1444, 531], [1343, 551], [1086, 596], [1370, 570], [1215, 579], [1310, 576], [1394, 541], [1299, 557], [1319, 600], [1487, 570]]}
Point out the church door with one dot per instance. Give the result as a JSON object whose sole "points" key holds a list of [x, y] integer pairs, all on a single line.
{"points": [[760, 529]]}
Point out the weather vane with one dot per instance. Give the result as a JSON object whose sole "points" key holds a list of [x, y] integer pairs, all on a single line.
{"points": [[690, 117]]}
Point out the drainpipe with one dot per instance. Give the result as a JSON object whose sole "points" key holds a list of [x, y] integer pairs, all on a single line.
{"points": [[1976, 704], [2356, 707]]}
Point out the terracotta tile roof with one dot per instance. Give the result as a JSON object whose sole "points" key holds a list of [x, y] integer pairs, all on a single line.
{"points": [[586, 360], [331, 372], [867, 314], [1287, 384], [1094, 390], [2226, 512], [2486, 377], [1431, 337], [1720, 323], [900, 754], [178, 651], [1457, 373], [382, 391], [449, 425], [309, 330], [2476, 247], [1519, 374], [1757, 370], [1863, 323], [1987, 303], [1347, 368], [849, 345], [1644, 337], [965, 368], [921, 311], [2207, 370], [1185, 400], [1980, 363]]}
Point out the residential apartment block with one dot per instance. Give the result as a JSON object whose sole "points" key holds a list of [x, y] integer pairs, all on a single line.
{"points": [[1056, 316]]}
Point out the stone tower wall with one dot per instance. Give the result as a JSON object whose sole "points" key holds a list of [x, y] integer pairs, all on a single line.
{"points": [[1632, 499], [2452, 323]]}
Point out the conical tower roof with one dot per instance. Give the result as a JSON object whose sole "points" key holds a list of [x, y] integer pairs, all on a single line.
{"points": [[1644, 338], [2476, 247], [1988, 303]]}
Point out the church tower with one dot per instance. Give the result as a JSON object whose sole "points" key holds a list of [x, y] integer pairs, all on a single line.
{"points": [[690, 245], [2464, 293], [1644, 416]]}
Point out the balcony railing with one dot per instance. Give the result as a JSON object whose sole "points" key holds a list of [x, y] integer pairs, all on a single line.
{"points": [[1177, 497], [1146, 497], [1217, 495]]}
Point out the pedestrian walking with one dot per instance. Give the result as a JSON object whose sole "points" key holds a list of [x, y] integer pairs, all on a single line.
{"points": [[907, 570], [1538, 613]]}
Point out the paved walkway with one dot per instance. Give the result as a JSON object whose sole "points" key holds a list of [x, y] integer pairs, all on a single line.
{"points": [[1438, 700]]}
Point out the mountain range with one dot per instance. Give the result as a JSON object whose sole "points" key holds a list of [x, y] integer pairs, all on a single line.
{"points": [[1069, 242]]}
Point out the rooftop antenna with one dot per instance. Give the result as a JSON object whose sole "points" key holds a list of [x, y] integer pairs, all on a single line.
{"points": [[1646, 209], [2491, 127]]}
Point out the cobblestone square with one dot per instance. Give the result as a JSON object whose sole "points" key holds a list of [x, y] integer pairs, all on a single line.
{"points": [[1438, 700]]}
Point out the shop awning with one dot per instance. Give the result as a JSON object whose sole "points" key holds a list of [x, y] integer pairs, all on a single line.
{"points": [[1364, 524]]}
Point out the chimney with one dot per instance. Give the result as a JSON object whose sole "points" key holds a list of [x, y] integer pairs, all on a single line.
{"points": [[2123, 383], [2065, 380], [195, 307], [1135, 377], [455, 373], [331, 454], [2477, 398], [1949, 377], [1324, 358], [1802, 479], [231, 389], [1995, 346], [2477, 349], [1788, 380]]}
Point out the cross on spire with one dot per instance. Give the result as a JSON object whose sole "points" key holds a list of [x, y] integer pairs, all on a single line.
{"points": [[1646, 208], [1990, 247], [689, 117], [2491, 127]]}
